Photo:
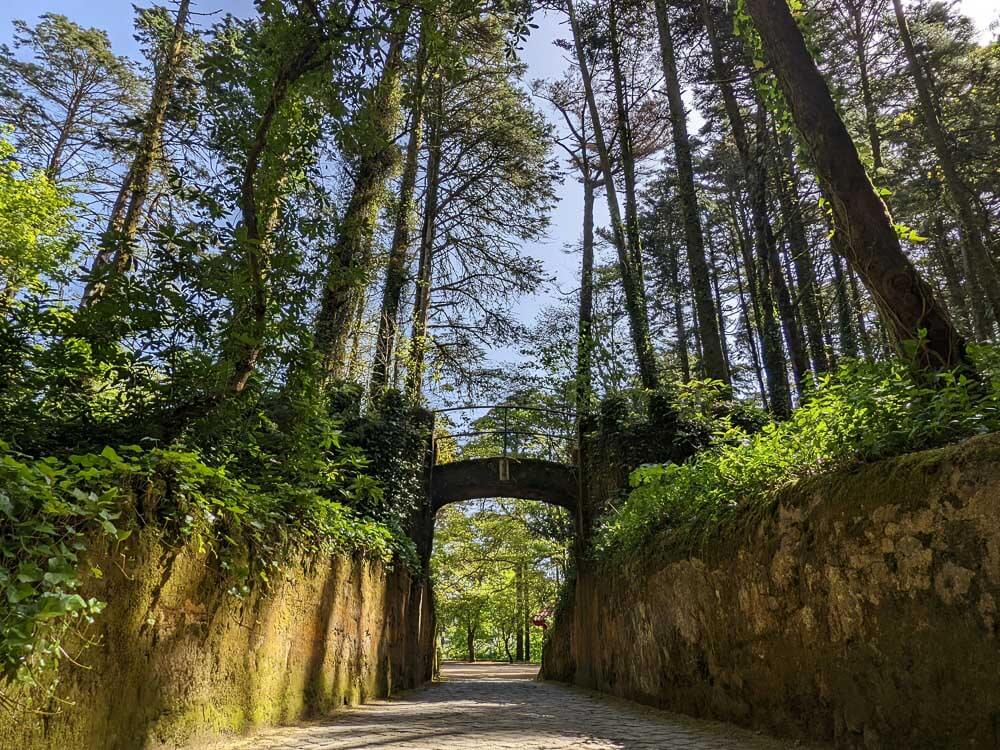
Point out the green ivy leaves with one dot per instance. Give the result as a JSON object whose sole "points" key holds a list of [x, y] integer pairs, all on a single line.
{"points": [[49, 513]]}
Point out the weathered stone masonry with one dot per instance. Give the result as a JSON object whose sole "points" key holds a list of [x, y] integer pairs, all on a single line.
{"points": [[180, 661], [862, 608]]}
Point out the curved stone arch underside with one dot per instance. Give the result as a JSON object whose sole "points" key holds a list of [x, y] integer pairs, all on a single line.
{"points": [[523, 478]]}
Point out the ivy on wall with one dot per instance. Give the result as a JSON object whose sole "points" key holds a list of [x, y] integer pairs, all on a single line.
{"points": [[54, 511]]}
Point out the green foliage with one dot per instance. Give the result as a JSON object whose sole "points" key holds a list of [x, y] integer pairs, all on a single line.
{"points": [[34, 224], [48, 513], [765, 84], [495, 565], [54, 512], [707, 406], [863, 412], [394, 438], [636, 427]]}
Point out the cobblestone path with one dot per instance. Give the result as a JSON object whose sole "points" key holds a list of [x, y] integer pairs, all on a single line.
{"points": [[494, 707]]}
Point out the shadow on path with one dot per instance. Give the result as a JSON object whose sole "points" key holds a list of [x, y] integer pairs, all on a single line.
{"points": [[502, 707]]}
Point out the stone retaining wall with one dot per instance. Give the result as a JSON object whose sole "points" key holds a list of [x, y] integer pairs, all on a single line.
{"points": [[180, 661], [862, 609]]}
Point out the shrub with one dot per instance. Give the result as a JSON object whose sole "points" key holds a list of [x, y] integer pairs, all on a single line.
{"points": [[863, 412]]}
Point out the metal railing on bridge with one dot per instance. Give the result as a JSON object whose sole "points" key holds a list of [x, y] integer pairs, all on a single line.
{"points": [[566, 438]]}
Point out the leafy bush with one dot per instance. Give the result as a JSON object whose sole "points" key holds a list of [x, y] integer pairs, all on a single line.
{"points": [[35, 236], [862, 412], [394, 437]]}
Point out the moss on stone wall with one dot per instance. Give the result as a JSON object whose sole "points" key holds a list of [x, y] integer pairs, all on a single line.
{"points": [[178, 659], [860, 606]]}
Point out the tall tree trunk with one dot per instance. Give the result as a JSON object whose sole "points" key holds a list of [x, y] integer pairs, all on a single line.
{"points": [[788, 196], [673, 279], [585, 336], [356, 364], [526, 619], [906, 302], [681, 326], [519, 611], [750, 334], [789, 322], [755, 178], [470, 643], [696, 329], [721, 320], [847, 320], [397, 365], [54, 166], [980, 307], [399, 252], [425, 264], [867, 98], [857, 304], [792, 281], [625, 147], [713, 361], [830, 346], [635, 301], [250, 317], [683, 357], [772, 263], [942, 255], [845, 325], [958, 190], [773, 356], [351, 256], [123, 223]]}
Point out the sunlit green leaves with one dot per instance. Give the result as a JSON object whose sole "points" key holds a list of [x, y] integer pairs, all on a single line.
{"points": [[863, 412], [908, 234], [486, 556], [35, 237]]}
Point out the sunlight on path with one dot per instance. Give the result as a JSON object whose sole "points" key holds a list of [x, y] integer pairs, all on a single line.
{"points": [[497, 706]]}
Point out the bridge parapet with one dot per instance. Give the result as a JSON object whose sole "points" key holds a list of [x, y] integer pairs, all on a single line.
{"points": [[512, 430], [523, 478]]}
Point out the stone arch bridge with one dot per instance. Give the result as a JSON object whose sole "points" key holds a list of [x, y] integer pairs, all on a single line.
{"points": [[522, 478], [507, 475]]}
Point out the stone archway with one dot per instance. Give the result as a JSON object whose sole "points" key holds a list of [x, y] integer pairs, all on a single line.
{"points": [[522, 478]]}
